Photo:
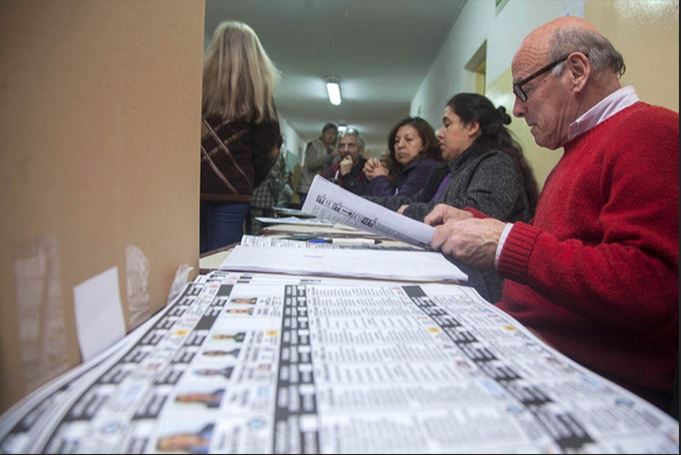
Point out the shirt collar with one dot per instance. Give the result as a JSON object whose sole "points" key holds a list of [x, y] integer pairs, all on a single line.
{"points": [[606, 108]]}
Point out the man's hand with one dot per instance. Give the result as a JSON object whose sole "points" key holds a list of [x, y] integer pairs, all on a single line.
{"points": [[474, 241], [346, 165], [442, 213]]}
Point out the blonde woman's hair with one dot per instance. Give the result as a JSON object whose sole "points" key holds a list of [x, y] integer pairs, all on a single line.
{"points": [[239, 79]]}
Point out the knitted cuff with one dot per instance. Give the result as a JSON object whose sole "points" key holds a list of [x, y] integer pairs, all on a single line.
{"points": [[476, 213], [517, 250]]}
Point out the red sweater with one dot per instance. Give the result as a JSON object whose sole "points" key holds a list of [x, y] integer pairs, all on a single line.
{"points": [[596, 272]]}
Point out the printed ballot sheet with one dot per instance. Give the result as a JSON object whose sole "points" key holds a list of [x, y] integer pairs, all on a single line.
{"points": [[330, 202], [255, 363]]}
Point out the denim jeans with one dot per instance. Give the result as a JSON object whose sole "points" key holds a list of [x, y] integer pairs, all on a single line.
{"points": [[222, 223]]}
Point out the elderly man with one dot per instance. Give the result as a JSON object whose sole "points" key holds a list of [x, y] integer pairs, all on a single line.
{"points": [[595, 273], [348, 171]]}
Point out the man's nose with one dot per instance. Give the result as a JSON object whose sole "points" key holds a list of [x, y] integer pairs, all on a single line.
{"points": [[518, 108]]}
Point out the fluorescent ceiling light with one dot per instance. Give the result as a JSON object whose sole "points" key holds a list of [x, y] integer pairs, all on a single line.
{"points": [[342, 128], [333, 89]]}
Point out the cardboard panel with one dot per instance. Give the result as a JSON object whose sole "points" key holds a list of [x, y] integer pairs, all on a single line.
{"points": [[99, 120]]}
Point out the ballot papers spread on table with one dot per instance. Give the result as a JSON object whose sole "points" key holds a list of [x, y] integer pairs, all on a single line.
{"points": [[252, 363], [355, 263], [330, 202]]}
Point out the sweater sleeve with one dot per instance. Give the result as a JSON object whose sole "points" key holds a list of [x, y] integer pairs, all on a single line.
{"points": [[627, 277], [418, 210], [392, 202], [264, 138], [380, 186], [416, 178], [494, 188]]}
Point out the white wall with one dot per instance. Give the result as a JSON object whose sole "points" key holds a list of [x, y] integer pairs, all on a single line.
{"points": [[476, 23], [293, 143]]}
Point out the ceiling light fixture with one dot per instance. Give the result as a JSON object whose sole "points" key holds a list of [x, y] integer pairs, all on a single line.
{"points": [[333, 89]]}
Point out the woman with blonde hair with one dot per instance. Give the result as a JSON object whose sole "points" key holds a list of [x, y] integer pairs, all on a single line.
{"points": [[239, 130]]}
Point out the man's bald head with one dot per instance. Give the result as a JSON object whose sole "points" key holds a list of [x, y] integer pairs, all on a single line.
{"points": [[560, 37], [561, 70]]}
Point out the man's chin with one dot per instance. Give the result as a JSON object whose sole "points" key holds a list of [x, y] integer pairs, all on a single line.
{"points": [[546, 143]]}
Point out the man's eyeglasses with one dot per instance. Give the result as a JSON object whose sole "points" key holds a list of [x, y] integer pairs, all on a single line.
{"points": [[518, 86]]}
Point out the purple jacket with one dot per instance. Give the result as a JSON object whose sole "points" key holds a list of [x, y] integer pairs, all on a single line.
{"points": [[409, 182]]}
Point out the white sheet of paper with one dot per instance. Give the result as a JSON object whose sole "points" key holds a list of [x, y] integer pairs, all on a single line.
{"points": [[357, 263], [99, 314], [331, 202], [291, 212], [293, 220]]}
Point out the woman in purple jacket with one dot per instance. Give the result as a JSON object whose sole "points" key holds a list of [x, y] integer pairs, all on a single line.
{"points": [[414, 152]]}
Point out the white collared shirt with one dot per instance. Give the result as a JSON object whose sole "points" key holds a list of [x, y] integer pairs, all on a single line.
{"points": [[610, 105], [606, 108]]}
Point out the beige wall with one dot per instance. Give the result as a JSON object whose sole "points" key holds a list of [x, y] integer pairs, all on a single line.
{"points": [[99, 109], [646, 32]]}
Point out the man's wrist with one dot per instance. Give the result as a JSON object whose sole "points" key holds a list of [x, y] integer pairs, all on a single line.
{"points": [[500, 245]]}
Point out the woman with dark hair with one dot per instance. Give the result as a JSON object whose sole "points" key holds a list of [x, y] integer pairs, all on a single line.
{"points": [[485, 167], [414, 152], [485, 170]]}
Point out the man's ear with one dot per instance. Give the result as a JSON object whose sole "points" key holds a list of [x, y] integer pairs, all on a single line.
{"points": [[580, 70]]}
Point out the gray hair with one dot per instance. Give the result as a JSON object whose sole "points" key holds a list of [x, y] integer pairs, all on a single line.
{"points": [[602, 55], [354, 132]]}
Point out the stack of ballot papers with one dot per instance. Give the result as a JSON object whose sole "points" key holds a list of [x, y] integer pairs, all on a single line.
{"points": [[294, 220], [291, 212], [353, 263]]}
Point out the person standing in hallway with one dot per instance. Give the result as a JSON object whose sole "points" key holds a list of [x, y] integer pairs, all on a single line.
{"points": [[596, 272], [319, 154], [266, 195], [239, 130]]}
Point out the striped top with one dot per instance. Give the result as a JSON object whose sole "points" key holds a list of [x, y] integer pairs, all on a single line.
{"points": [[235, 157]]}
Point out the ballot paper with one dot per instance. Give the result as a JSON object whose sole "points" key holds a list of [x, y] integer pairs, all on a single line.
{"points": [[294, 220], [330, 202], [291, 212], [254, 363], [353, 263], [311, 241]]}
